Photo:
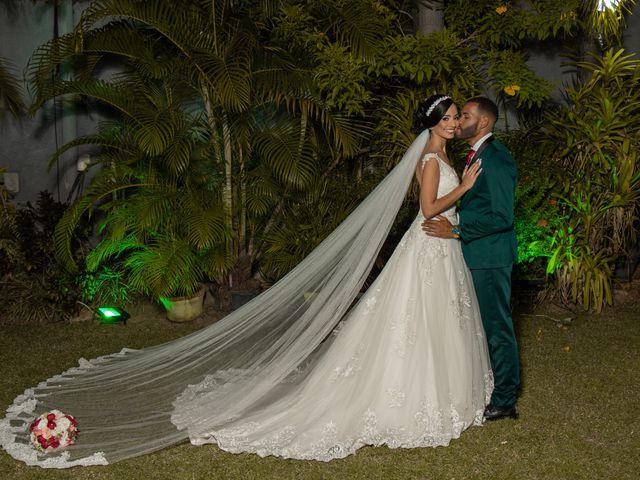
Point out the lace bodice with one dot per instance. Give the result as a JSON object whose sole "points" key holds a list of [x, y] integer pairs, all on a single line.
{"points": [[448, 181]]}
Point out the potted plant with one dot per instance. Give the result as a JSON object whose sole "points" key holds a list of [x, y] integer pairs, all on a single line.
{"points": [[166, 234], [156, 199], [167, 269]]}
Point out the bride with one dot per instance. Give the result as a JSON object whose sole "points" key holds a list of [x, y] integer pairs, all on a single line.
{"points": [[299, 372]]}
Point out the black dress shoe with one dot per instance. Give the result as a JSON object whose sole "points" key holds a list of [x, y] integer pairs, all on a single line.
{"points": [[496, 413]]}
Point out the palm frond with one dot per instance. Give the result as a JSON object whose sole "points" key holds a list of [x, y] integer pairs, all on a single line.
{"points": [[118, 96], [227, 77], [205, 227], [262, 191], [220, 59], [104, 184], [164, 269], [356, 25], [108, 249], [106, 142], [217, 262], [10, 91], [290, 156]]}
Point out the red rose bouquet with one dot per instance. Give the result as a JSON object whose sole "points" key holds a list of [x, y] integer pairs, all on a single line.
{"points": [[53, 430]]}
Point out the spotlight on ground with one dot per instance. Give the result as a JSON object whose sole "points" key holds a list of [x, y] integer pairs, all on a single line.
{"points": [[112, 315]]}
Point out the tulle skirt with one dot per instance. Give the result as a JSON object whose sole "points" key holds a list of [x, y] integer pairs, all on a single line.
{"points": [[408, 367]]}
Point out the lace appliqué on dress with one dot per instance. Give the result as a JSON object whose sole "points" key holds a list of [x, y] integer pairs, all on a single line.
{"points": [[396, 398], [431, 428], [461, 303], [432, 249], [403, 331], [350, 368]]}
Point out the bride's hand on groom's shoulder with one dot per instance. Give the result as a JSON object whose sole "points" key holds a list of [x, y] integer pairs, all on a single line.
{"points": [[438, 226]]}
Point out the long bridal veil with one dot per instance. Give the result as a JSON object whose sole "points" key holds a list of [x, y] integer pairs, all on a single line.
{"points": [[137, 401]]}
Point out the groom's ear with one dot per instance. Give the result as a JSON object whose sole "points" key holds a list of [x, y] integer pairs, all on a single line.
{"points": [[485, 122]]}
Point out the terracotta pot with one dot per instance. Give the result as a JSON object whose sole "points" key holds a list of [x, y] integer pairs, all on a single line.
{"points": [[184, 309]]}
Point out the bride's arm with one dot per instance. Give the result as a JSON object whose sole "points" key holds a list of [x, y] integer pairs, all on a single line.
{"points": [[429, 203]]}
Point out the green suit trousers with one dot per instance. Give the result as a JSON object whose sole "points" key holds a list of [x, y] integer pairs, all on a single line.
{"points": [[493, 289]]}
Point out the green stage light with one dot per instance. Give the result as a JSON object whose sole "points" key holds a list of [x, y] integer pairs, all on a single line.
{"points": [[112, 315]]}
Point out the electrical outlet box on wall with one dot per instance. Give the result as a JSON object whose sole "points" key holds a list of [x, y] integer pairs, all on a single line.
{"points": [[11, 182]]}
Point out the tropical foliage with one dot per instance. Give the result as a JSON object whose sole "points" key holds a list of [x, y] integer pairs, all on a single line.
{"points": [[536, 208], [217, 125], [596, 138], [501, 33], [34, 286], [228, 114], [10, 91], [11, 99], [575, 225], [242, 131]]}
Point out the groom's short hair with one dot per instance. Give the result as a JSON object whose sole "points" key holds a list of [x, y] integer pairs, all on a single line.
{"points": [[486, 106]]}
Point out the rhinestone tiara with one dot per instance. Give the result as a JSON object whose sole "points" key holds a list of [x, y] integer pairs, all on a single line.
{"points": [[436, 103]]}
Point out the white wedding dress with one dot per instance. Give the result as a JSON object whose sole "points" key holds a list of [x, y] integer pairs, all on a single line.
{"points": [[408, 367]]}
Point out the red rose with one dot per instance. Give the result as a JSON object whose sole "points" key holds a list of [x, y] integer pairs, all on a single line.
{"points": [[72, 419], [42, 441], [34, 425], [51, 424], [51, 417], [54, 442]]}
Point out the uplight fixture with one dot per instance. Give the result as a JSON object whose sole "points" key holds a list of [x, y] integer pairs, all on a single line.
{"points": [[112, 315]]}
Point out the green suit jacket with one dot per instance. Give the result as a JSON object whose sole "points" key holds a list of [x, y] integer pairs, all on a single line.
{"points": [[486, 211]]}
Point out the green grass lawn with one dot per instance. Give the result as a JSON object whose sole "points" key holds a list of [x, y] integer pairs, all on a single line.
{"points": [[579, 408]]}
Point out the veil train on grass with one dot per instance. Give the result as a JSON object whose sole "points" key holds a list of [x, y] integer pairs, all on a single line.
{"points": [[124, 402]]}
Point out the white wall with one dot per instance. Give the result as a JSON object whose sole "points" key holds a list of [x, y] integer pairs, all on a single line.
{"points": [[26, 147]]}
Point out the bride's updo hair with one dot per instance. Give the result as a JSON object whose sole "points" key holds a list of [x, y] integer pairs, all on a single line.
{"points": [[430, 112]]}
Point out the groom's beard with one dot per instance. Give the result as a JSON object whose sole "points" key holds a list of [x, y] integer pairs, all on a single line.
{"points": [[466, 132]]}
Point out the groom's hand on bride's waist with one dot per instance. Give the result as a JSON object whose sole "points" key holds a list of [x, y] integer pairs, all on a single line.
{"points": [[439, 226]]}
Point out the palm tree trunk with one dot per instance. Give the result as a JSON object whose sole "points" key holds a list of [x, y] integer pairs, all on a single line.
{"points": [[227, 194], [213, 127], [211, 119], [228, 171], [226, 156], [242, 233]]}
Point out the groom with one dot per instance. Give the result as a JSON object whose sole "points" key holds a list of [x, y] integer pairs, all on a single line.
{"points": [[489, 246]]}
